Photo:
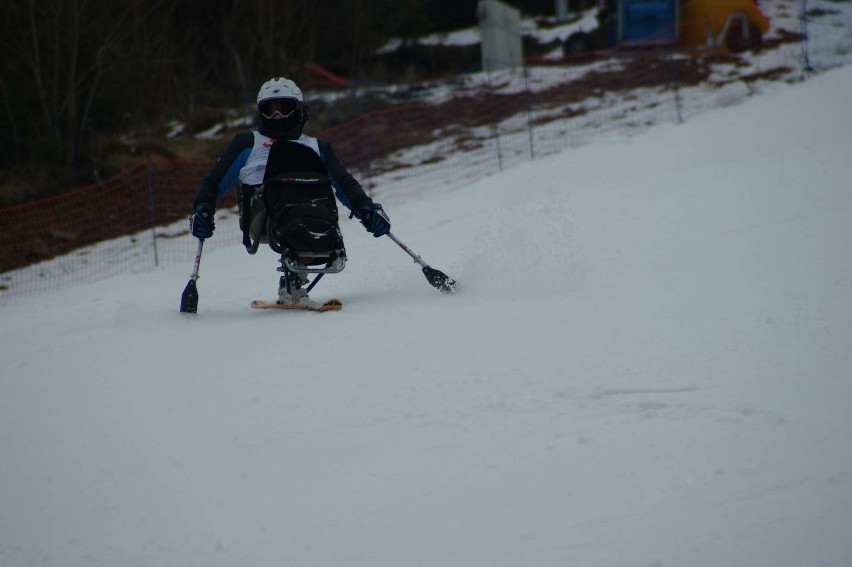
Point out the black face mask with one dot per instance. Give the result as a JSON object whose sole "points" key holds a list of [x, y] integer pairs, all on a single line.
{"points": [[280, 129], [285, 127]]}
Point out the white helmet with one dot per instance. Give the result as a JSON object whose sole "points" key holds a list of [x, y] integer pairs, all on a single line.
{"points": [[279, 87], [281, 108]]}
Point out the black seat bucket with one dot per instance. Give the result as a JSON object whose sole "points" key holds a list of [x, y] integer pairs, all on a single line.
{"points": [[302, 221]]}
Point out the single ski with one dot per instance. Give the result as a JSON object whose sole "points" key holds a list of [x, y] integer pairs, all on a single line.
{"points": [[332, 304]]}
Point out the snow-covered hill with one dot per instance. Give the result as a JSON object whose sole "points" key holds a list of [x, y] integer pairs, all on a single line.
{"points": [[648, 366]]}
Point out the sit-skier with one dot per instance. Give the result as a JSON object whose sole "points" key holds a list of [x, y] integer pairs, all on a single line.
{"points": [[286, 183]]}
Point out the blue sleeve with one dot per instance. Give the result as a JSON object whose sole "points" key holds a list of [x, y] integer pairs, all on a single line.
{"points": [[341, 196], [346, 188], [229, 179], [225, 172]]}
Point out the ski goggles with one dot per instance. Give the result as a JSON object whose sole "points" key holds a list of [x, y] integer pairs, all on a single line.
{"points": [[277, 109]]}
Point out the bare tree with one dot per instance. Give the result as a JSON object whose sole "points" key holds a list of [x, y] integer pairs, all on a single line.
{"points": [[72, 45], [75, 73]]}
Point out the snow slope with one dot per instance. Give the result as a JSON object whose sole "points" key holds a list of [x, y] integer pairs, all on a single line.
{"points": [[649, 366]]}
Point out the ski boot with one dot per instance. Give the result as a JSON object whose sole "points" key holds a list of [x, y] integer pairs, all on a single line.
{"points": [[290, 289]]}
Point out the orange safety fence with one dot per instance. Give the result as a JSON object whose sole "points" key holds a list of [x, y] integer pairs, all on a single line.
{"points": [[152, 193]]}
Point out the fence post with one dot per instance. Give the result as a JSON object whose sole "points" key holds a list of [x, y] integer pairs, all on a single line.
{"points": [[369, 120], [673, 75], [529, 110], [149, 170], [495, 121], [806, 60]]}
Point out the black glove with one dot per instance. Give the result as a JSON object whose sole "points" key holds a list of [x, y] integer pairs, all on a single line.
{"points": [[374, 218], [201, 223]]}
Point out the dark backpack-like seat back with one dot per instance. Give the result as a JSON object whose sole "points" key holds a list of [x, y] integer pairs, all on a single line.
{"points": [[299, 199]]}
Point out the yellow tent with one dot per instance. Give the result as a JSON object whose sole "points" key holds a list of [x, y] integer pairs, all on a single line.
{"points": [[735, 24]]}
